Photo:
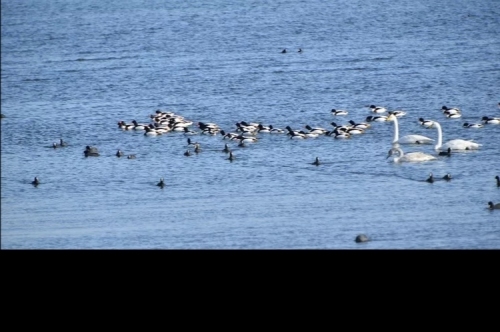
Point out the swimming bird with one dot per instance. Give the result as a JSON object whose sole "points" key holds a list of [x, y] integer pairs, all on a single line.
{"points": [[119, 153], [472, 125], [161, 184], [226, 148], [425, 123], [447, 177], [409, 157], [54, 145], [493, 206], [454, 115], [338, 112], [377, 109], [197, 148], [231, 156], [190, 142], [362, 125], [187, 153], [489, 120], [284, 50], [379, 118], [498, 180], [62, 143], [454, 144], [91, 151], [35, 182], [139, 126], [430, 179], [188, 131], [316, 130], [300, 50], [315, 162], [450, 110], [445, 153], [408, 139], [131, 156], [398, 113]]}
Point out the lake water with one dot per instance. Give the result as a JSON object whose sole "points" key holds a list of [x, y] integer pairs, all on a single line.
{"points": [[73, 69]]}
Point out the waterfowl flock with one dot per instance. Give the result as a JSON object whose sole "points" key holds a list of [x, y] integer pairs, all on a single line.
{"points": [[247, 132]]}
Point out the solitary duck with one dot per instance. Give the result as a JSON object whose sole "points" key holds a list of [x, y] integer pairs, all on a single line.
{"points": [[430, 179], [119, 153], [35, 182], [494, 206], [447, 177], [498, 180], [161, 184], [91, 151], [316, 162]]}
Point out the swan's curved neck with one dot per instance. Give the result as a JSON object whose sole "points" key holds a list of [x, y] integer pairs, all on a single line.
{"points": [[440, 136], [396, 130]]}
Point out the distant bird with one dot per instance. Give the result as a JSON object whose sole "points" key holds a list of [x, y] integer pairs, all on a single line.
{"points": [[377, 109], [445, 153], [430, 179], [316, 162], [361, 238], [91, 151], [226, 148], [35, 182], [284, 50], [300, 50], [498, 180], [131, 156], [231, 156], [490, 120], [447, 177], [161, 184], [119, 153], [425, 123], [187, 153], [197, 148], [54, 145], [338, 112], [190, 142], [472, 125], [62, 143], [494, 206]]}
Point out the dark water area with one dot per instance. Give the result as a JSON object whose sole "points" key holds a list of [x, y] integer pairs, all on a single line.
{"points": [[73, 69]]}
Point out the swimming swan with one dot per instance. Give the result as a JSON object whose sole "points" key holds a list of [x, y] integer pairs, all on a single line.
{"points": [[454, 144], [408, 139], [409, 157]]}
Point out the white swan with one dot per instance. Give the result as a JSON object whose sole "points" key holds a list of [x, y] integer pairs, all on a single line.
{"points": [[454, 144], [408, 139], [409, 157]]}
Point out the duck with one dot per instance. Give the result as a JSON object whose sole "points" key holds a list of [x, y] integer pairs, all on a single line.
{"points": [[339, 127], [450, 110], [493, 206], [377, 109], [283, 50], [445, 153], [430, 179], [226, 149], [263, 129], [454, 144], [472, 125], [425, 123], [125, 126], [295, 134], [379, 118], [498, 180], [119, 153], [340, 134], [230, 136], [35, 182], [409, 157], [300, 50], [354, 131], [62, 143], [276, 130], [489, 120], [54, 145], [151, 132], [309, 134], [447, 177], [131, 156], [247, 139], [161, 184], [187, 153], [91, 151], [231, 156], [407, 139], [139, 126], [362, 125], [197, 148], [316, 162], [188, 131], [316, 130], [338, 112], [398, 113], [190, 142]]}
